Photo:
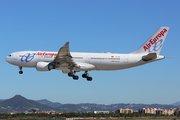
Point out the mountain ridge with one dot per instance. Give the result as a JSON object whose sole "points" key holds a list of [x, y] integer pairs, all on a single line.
{"points": [[49, 103], [176, 103], [19, 103]]}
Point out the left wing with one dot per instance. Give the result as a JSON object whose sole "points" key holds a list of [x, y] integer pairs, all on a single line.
{"points": [[64, 58]]}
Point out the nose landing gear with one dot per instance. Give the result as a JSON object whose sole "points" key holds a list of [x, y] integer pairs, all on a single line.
{"points": [[20, 72]]}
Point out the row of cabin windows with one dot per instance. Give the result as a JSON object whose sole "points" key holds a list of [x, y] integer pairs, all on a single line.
{"points": [[78, 57], [50, 56], [107, 58]]}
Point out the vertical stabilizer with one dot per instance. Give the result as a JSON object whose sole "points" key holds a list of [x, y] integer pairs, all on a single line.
{"points": [[154, 43]]}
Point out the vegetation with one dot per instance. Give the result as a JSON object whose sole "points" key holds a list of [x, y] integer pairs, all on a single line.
{"points": [[82, 115]]}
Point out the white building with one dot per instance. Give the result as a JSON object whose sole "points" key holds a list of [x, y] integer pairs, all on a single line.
{"points": [[104, 112]]}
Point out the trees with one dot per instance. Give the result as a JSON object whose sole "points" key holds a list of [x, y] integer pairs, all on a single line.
{"points": [[79, 115]]}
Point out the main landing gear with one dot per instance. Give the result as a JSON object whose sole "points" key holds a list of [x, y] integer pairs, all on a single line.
{"points": [[75, 77], [20, 72], [86, 75]]}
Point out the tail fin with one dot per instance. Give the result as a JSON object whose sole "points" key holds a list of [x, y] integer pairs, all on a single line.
{"points": [[154, 43]]}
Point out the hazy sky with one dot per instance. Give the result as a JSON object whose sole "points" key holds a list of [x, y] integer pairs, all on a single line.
{"points": [[117, 26]]}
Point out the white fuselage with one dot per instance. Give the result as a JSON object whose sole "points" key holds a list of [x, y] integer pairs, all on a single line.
{"points": [[72, 62], [101, 61]]}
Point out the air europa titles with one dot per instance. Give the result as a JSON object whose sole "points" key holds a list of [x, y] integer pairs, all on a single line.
{"points": [[46, 54], [155, 39]]}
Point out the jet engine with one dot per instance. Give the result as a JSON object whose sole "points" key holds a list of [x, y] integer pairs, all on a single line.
{"points": [[44, 66]]}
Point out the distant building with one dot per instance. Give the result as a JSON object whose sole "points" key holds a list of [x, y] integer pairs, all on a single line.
{"points": [[104, 112], [126, 111], [50, 112], [168, 111], [177, 111], [157, 111], [148, 110]]}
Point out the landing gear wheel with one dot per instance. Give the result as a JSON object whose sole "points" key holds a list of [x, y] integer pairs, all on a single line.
{"points": [[84, 75], [20, 72], [89, 78], [75, 77], [70, 74]]}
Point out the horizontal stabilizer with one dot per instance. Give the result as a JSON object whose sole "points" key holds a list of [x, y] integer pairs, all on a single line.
{"points": [[149, 56]]}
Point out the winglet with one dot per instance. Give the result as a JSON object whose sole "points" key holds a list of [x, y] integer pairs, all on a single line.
{"points": [[66, 44]]}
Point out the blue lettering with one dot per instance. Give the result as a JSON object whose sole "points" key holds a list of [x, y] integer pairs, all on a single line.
{"points": [[28, 57]]}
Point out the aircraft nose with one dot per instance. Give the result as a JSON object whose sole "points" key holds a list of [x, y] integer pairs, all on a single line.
{"points": [[9, 59]]}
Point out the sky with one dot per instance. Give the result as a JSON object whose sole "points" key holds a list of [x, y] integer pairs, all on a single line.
{"points": [[116, 26]]}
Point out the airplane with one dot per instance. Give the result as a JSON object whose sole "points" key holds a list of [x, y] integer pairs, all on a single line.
{"points": [[72, 62]]}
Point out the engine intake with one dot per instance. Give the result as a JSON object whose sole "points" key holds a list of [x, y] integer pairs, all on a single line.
{"points": [[44, 66]]}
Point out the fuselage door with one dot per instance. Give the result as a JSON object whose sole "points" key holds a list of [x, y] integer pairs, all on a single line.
{"points": [[126, 58], [88, 58], [38, 56]]}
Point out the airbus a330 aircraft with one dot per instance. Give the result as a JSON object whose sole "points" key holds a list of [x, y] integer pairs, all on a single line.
{"points": [[72, 62]]}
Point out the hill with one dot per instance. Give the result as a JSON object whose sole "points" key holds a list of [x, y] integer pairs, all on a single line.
{"points": [[21, 104], [49, 103], [62, 107], [176, 104], [114, 107], [71, 108]]}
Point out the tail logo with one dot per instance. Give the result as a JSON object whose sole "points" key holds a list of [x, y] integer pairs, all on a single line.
{"points": [[157, 45], [155, 41]]}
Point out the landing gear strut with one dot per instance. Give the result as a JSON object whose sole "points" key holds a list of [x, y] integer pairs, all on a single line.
{"points": [[20, 72], [71, 74], [86, 75]]}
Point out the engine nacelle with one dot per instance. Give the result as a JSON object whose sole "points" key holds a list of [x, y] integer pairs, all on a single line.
{"points": [[44, 66]]}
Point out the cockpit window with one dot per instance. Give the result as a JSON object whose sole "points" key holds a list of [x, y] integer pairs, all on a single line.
{"points": [[9, 55]]}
